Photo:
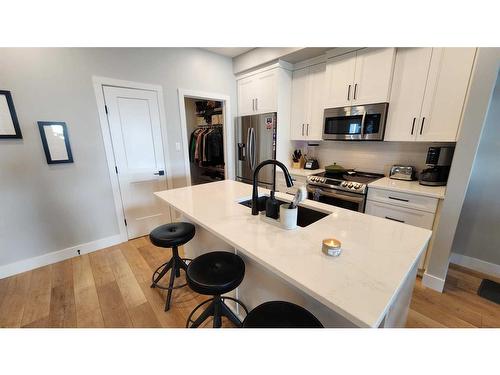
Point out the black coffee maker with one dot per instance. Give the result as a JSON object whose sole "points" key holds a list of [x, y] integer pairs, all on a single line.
{"points": [[438, 166]]}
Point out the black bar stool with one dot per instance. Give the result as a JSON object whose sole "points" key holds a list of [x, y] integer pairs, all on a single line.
{"points": [[280, 314], [214, 274], [171, 236]]}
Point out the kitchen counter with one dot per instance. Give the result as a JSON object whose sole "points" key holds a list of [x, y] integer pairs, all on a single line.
{"points": [[410, 187], [302, 172], [373, 276]]}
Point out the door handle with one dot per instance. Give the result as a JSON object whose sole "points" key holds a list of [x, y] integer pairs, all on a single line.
{"points": [[253, 104], [159, 173], [422, 126], [249, 144], [256, 104], [302, 129], [413, 125], [349, 93], [355, 89], [307, 130], [399, 199], [252, 137], [391, 218]]}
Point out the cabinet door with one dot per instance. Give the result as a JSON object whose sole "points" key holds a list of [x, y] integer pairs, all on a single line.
{"points": [[373, 75], [267, 91], [300, 104], [445, 93], [407, 93], [314, 125], [246, 95], [340, 76]]}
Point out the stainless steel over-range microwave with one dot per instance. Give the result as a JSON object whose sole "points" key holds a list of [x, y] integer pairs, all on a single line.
{"points": [[357, 123]]}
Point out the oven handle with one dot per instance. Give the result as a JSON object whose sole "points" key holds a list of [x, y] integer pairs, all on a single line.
{"points": [[336, 194], [363, 124]]}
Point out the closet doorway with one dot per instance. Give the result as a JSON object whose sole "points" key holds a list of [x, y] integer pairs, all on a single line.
{"points": [[207, 137]]}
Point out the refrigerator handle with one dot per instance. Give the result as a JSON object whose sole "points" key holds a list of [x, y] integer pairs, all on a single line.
{"points": [[249, 144], [254, 161]]}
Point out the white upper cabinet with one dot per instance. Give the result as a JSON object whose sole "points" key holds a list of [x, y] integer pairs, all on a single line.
{"points": [[314, 126], [308, 93], [360, 77], [258, 93], [340, 75], [373, 75], [428, 93], [300, 103], [408, 88], [444, 98]]}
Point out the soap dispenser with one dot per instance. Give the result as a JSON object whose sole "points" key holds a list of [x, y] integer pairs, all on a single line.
{"points": [[272, 207]]}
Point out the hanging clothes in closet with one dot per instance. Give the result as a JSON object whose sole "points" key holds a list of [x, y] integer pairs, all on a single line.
{"points": [[206, 146]]}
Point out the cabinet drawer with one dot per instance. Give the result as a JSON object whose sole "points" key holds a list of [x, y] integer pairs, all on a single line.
{"points": [[396, 198], [404, 215]]}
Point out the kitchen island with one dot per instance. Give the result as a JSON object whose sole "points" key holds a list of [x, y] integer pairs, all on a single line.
{"points": [[369, 285]]}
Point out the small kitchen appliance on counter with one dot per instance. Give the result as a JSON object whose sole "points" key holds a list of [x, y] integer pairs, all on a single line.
{"points": [[402, 172], [311, 164], [438, 166]]}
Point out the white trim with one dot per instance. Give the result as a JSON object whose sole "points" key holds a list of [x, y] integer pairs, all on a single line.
{"points": [[98, 83], [476, 264], [57, 256], [433, 282], [228, 134], [253, 71]]}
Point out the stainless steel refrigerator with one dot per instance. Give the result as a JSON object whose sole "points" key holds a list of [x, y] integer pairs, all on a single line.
{"points": [[256, 142]]}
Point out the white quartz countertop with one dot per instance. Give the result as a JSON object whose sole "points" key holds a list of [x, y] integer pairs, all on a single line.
{"points": [[360, 284], [302, 172], [411, 187]]}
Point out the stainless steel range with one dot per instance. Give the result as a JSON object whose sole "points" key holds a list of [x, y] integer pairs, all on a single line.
{"points": [[346, 190]]}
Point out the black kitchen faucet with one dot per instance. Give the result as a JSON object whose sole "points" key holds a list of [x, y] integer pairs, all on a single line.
{"points": [[255, 195]]}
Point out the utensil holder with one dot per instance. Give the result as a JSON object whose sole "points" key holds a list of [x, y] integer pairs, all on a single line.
{"points": [[288, 216], [296, 165]]}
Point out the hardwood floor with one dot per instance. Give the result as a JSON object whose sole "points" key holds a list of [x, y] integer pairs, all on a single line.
{"points": [[111, 288]]}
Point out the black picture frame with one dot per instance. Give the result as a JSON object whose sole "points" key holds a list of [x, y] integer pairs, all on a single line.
{"points": [[45, 143], [13, 116]]}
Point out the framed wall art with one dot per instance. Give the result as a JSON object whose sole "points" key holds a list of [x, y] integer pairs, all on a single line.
{"points": [[9, 125], [55, 142]]}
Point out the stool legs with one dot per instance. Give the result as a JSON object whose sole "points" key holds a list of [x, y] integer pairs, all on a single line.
{"points": [[216, 308], [175, 264]]}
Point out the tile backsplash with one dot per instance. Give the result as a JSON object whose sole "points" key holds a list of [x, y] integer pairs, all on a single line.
{"points": [[377, 157]]}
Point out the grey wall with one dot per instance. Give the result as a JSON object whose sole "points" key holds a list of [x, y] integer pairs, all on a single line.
{"points": [[47, 208], [478, 231]]}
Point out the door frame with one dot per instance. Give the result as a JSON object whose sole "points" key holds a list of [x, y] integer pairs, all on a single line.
{"points": [[98, 83], [228, 133]]}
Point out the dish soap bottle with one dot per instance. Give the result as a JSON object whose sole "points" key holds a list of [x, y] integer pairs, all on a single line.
{"points": [[272, 207]]}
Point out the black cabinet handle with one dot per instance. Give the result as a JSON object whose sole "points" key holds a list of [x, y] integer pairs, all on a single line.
{"points": [[422, 126], [349, 93], [391, 218], [399, 199], [413, 125], [355, 89]]}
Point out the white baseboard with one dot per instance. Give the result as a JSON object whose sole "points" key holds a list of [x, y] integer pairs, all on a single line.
{"points": [[476, 264], [57, 256], [433, 282]]}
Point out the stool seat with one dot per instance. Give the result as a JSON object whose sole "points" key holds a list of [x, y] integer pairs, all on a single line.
{"points": [[171, 235], [280, 314], [215, 273]]}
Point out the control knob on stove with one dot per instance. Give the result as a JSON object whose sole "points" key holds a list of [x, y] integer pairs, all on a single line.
{"points": [[322, 179], [350, 185], [344, 184]]}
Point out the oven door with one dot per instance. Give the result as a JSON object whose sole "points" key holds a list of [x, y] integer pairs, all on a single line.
{"points": [[349, 201]]}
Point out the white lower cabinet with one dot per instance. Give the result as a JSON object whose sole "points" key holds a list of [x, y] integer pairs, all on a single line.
{"points": [[403, 215], [411, 209]]}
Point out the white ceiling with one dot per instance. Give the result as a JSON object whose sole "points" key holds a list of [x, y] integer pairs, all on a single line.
{"points": [[229, 51]]}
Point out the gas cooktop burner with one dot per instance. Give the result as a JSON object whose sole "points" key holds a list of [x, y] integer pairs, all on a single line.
{"points": [[352, 181]]}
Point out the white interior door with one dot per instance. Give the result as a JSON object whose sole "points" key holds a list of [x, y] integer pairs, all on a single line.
{"points": [[134, 123]]}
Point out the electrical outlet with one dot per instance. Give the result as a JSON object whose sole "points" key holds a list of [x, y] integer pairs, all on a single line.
{"points": [[78, 251]]}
